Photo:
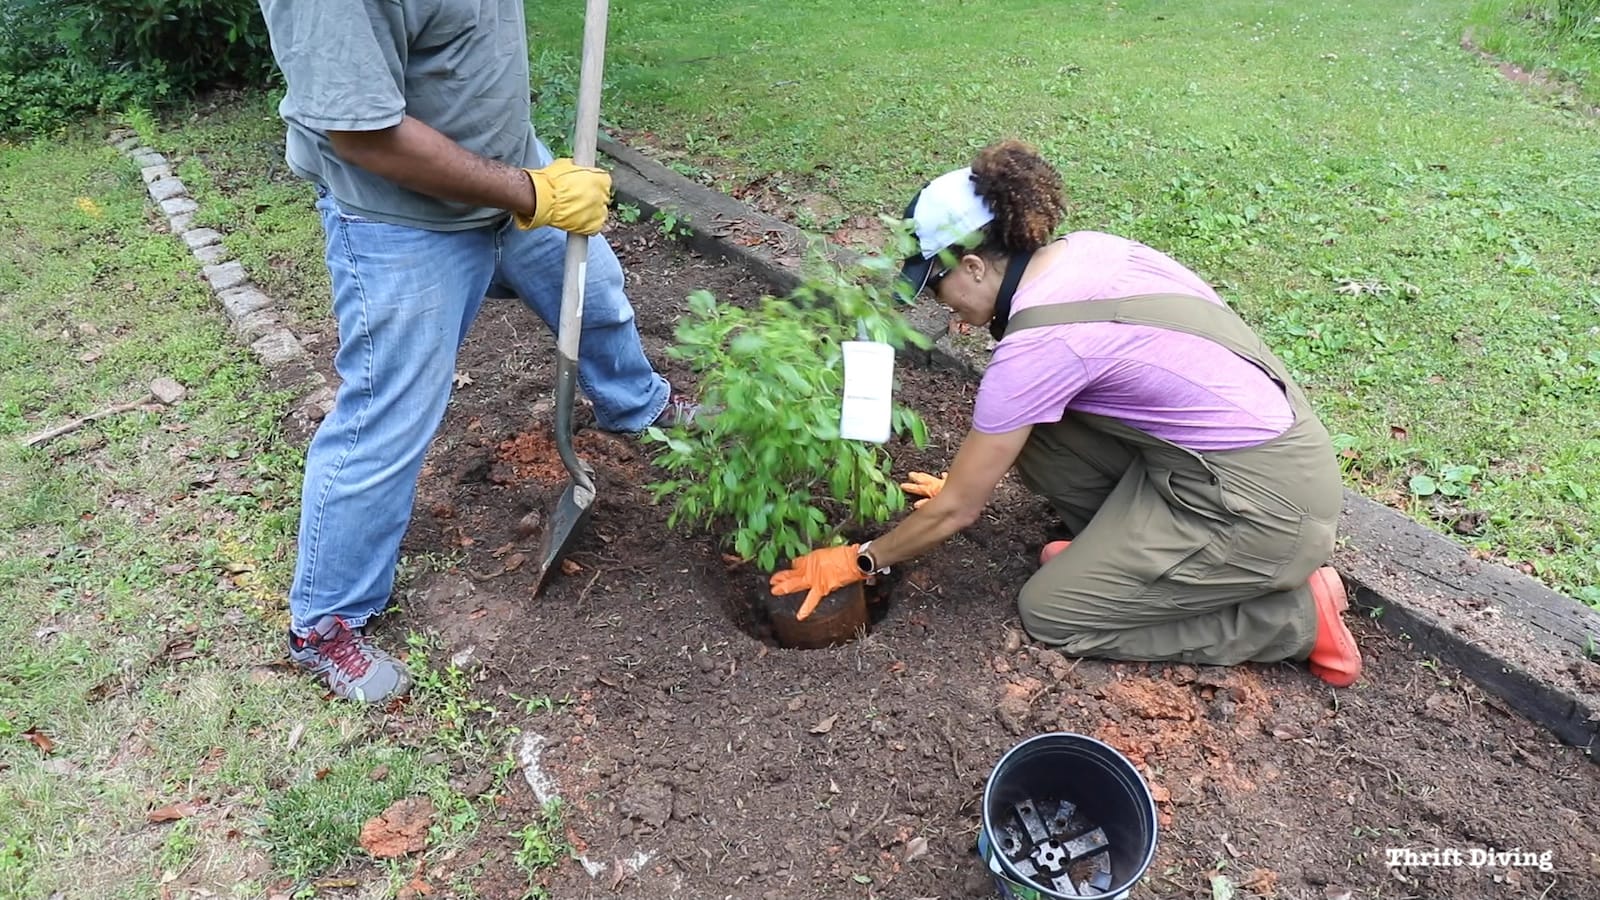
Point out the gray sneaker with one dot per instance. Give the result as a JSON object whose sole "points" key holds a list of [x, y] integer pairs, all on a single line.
{"points": [[683, 411], [347, 660]]}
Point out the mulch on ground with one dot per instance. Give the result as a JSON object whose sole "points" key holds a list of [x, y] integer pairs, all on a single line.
{"points": [[695, 759]]}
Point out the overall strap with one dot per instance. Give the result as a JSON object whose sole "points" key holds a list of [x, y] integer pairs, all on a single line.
{"points": [[1184, 313]]}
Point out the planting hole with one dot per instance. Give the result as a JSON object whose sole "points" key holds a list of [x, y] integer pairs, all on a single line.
{"points": [[843, 616]]}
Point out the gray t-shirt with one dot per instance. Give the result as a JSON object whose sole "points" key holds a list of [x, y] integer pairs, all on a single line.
{"points": [[459, 66]]}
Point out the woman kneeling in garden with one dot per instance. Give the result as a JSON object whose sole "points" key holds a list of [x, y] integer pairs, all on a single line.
{"points": [[1200, 488]]}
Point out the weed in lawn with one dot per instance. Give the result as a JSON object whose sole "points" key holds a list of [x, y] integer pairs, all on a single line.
{"points": [[464, 724], [541, 704], [671, 223], [540, 845]]}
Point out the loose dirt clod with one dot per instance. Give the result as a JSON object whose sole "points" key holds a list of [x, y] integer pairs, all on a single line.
{"points": [[532, 456], [399, 830]]}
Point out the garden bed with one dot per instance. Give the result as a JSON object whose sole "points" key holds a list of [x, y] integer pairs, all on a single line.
{"points": [[696, 759]]}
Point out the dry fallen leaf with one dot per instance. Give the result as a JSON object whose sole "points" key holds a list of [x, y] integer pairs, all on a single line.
{"points": [[568, 567], [826, 725], [916, 847], [172, 812], [401, 829], [515, 561], [415, 888], [39, 739], [1288, 732]]}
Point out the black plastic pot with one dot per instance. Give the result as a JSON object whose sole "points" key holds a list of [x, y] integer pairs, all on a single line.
{"points": [[840, 618], [1065, 771]]}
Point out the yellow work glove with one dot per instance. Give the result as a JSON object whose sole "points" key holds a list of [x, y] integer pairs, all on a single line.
{"points": [[822, 571], [572, 198], [923, 485]]}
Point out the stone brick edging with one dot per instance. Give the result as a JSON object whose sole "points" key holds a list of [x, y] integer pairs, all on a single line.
{"points": [[256, 317], [1523, 643]]}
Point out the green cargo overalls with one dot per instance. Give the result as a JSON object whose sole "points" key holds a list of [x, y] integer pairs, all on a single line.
{"points": [[1180, 555]]}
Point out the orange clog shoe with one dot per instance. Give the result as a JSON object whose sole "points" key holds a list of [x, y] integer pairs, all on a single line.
{"points": [[1051, 550], [1334, 657]]}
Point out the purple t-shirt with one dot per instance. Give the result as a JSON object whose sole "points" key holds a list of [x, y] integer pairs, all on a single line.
{"points": [[1178, 387]]}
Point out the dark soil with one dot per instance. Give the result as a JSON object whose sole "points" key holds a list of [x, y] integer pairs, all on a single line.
{"points": [[696, 760]]}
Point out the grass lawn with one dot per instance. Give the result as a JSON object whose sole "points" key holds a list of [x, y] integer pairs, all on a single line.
{"points": [[149, 742], [1558, 38], [1414, 234]]}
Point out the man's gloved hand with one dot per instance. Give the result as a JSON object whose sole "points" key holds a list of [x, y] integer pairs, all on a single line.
{"points": [[923, 485], [822, 571], [572, 198]]}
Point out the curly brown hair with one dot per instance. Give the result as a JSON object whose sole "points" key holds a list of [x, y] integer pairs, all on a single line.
{"points": [[1025, 193]]}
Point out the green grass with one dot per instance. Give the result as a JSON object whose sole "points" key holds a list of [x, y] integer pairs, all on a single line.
{"points": [[1412, 232], [144, 561], [232, 162], [1560, 38], [540, 846]]}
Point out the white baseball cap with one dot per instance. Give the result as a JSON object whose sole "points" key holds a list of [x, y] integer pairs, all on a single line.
{"points": [[944, 213]]}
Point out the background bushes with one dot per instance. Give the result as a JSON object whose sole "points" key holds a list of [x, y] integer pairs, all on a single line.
{"points": [[61, 59]]}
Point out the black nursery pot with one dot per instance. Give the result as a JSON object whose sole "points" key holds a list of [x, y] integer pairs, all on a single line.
{"points": [[1065, 815], [840, 618]]}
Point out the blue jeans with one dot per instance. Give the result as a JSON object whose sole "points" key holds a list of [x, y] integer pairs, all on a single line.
{"points": [[404, 299]]}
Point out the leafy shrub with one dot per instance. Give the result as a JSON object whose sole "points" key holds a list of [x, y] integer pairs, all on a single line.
{"points": [[768, 463], [554, 78], [42, 98], [63, 59], [1578, 19]]}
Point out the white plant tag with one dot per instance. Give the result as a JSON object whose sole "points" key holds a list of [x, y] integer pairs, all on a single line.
{"points": [[867, 412]]}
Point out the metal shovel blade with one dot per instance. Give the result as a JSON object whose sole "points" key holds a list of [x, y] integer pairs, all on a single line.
{"points": [[572, 512], [566, 523]]}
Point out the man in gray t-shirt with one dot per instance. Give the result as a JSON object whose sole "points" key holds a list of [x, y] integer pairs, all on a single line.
{"points": [[412, 120]]}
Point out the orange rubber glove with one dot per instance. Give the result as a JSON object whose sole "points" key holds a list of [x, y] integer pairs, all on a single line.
{"points": [[570, 197], [923, 485], [822, 571]]}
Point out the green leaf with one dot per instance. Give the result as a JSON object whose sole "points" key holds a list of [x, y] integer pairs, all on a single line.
{"points": [[1221, 887], [746, 343], [1423, 486]]}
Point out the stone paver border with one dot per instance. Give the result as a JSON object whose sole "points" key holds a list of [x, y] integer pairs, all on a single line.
{"points": [[256, 317]]}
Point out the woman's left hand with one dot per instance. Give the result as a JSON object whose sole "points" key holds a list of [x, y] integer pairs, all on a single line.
{"points": [[923, 485]]}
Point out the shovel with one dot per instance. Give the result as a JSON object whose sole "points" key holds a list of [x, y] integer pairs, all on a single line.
{"points": [[572, 512]]}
